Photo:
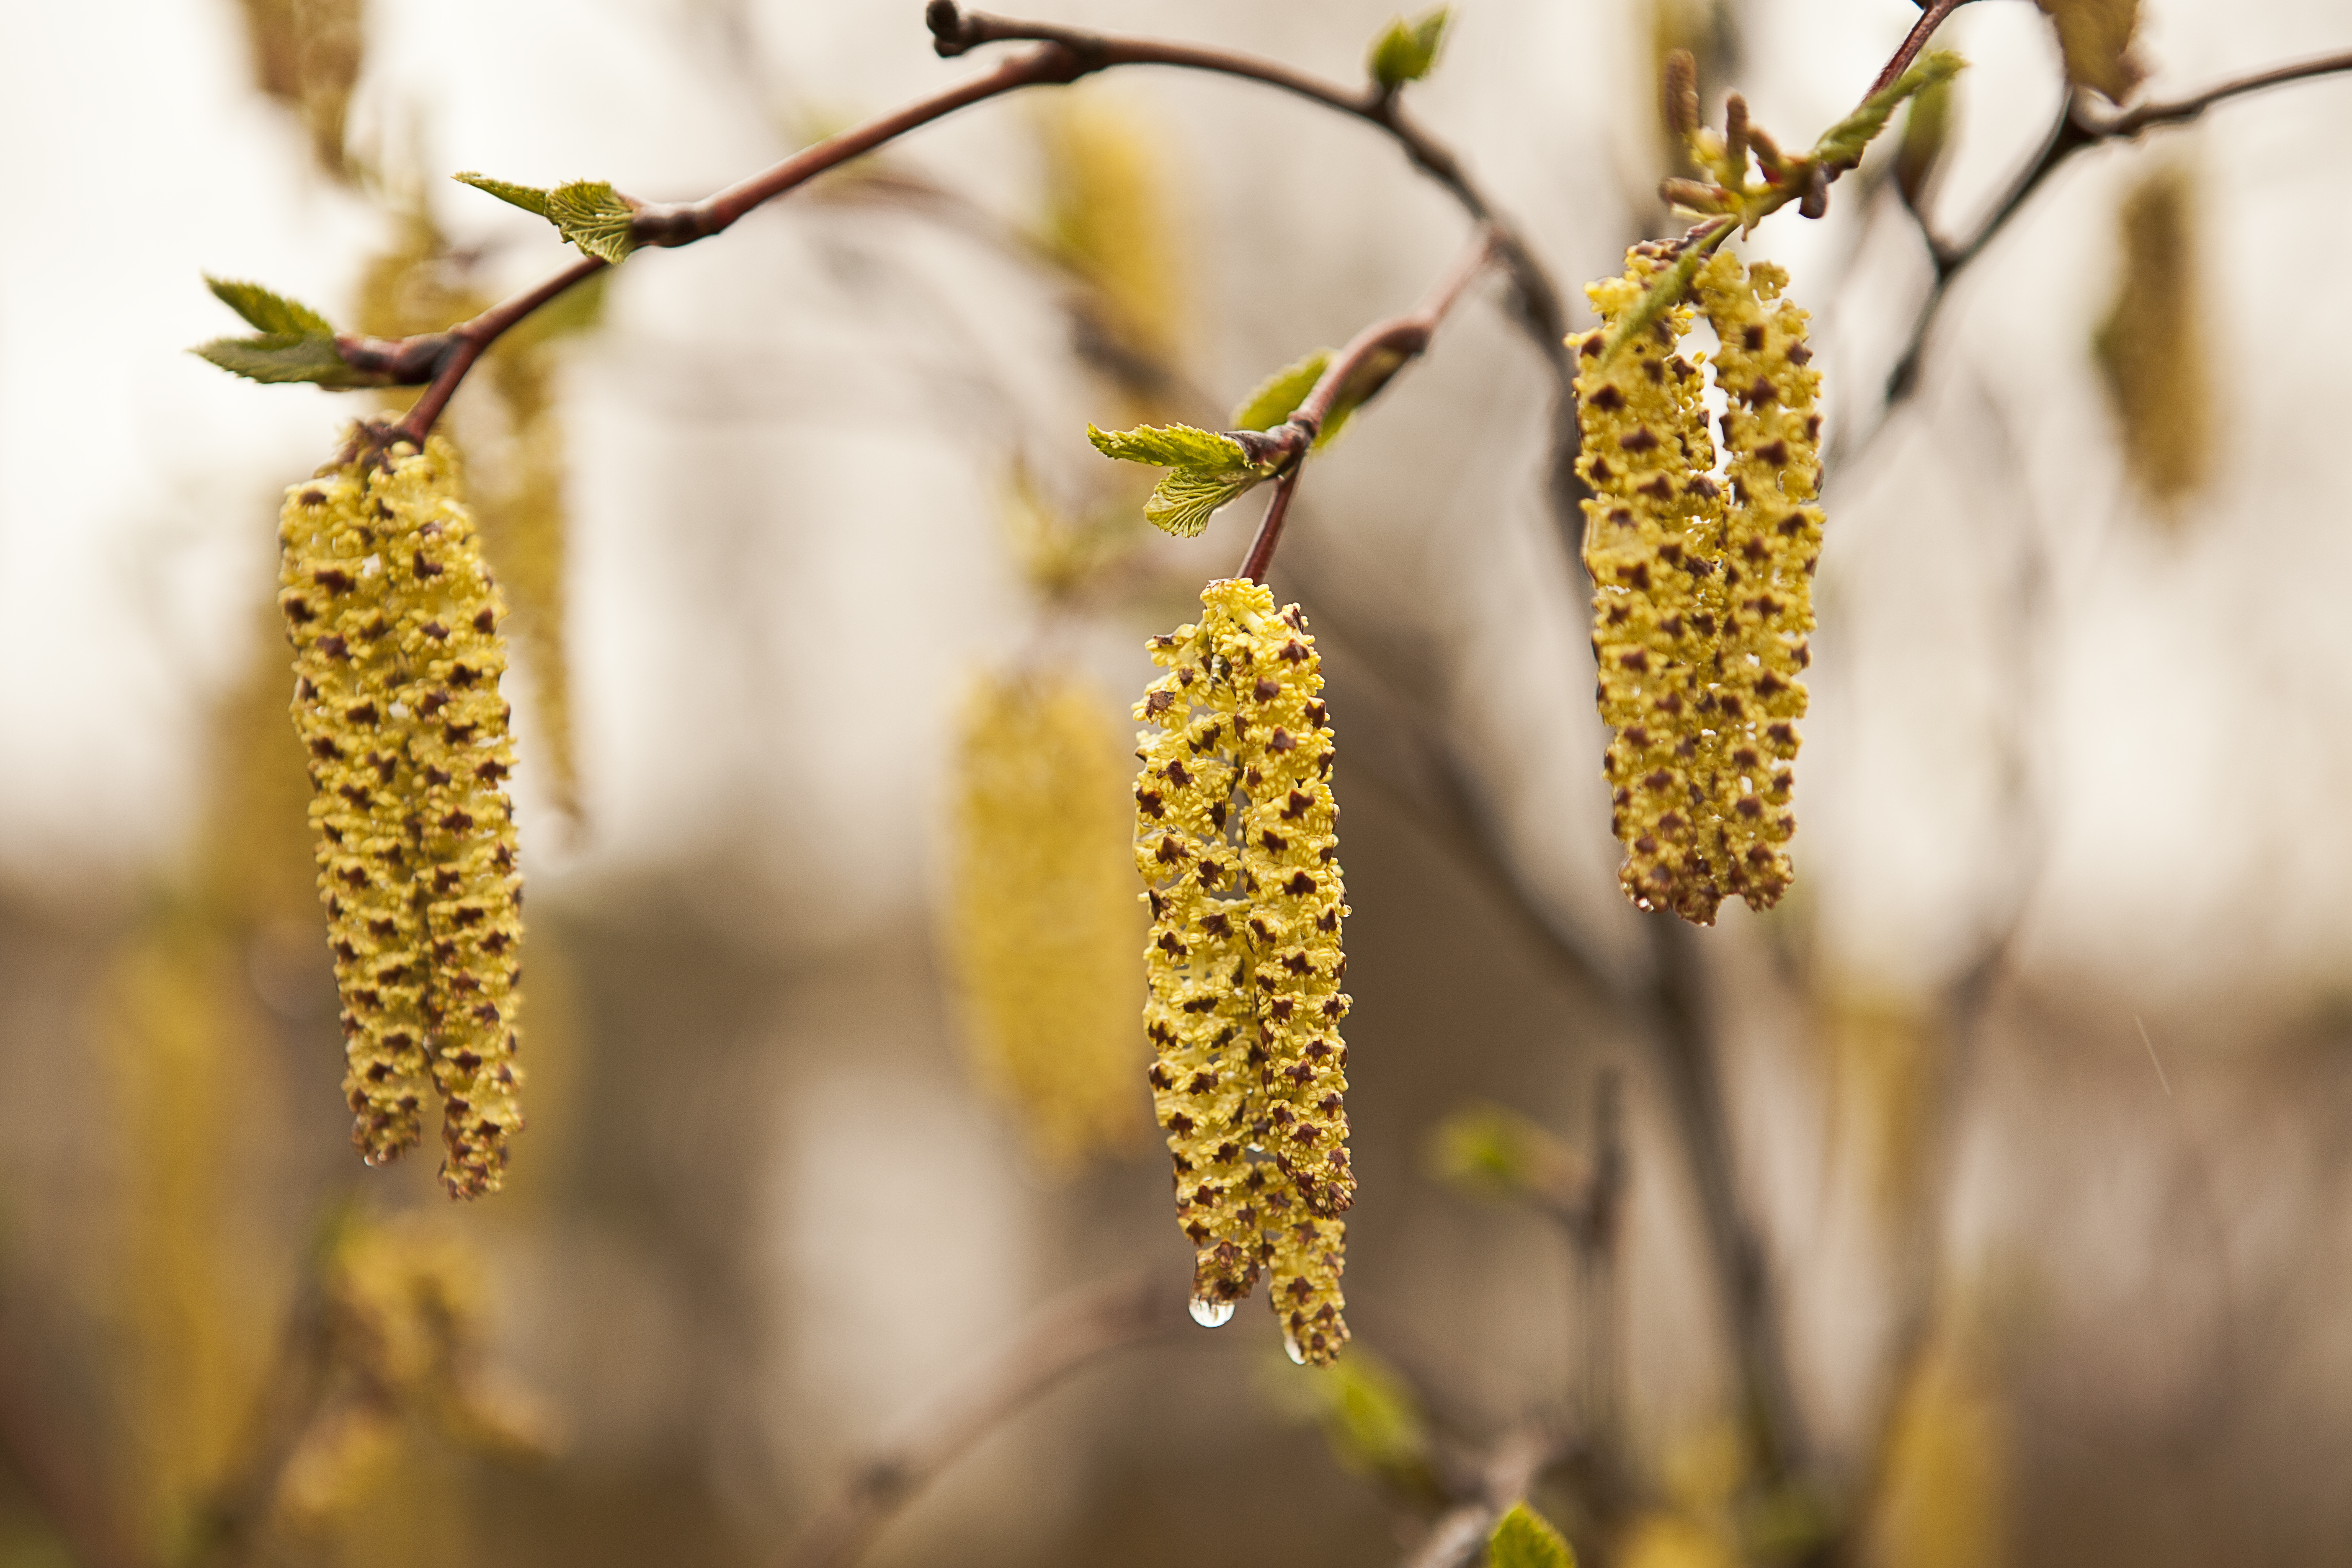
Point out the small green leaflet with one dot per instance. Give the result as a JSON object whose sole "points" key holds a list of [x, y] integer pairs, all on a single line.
{"points": [[1841, 146], [1170, 446], [293, 342], [1407, 49], [1278, 396], [587, 213], [1524, 1538], [1206, 471]]}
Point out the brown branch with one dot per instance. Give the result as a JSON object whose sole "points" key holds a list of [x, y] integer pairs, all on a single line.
{"points": [[2077, 128], [440, 360], [1357, 374], [1510, 1469], [1065, 1336], [1921, 31]]}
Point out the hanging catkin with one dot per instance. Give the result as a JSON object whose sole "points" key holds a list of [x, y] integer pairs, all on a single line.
{"points": [[394, 623], [1235, 837], [1702, 599]]}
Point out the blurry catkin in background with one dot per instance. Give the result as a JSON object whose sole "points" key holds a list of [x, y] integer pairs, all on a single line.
{"points": [[179, 1015], [1107, 193], [1945, 1498], [2151, 345], [1042, 923], [307, 55]]}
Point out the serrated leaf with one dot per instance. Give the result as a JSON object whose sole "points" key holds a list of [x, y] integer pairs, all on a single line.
{"points": [[1841, 145], [1406, 51], [284, 357], [295, 343], [531, 198], [1524, 1538], [587, 213], [268, 311], [1170, 446], [592, 215], [1183, 501]]}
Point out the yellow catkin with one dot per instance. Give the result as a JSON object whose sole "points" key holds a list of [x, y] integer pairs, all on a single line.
{"points": [[395, 622], [2151, 347], [1043, 924], [1236, 839], [1653, 547], [1703, 604], [1771, 545]]}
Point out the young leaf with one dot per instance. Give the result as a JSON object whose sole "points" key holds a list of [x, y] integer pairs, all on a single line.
{"points": [[1183, 503], [1524, 1538], [1925, 131], [265, 311], [1170, 446], [587, 213], [1208, 471], [1841, 146], [1406, 51], [294, 343], [1280, 394]]}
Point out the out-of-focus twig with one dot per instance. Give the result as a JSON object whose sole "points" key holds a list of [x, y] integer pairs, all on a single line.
{"points": [[1066, 1335], [2078, 126], [62, 1484], [230, 1532]]}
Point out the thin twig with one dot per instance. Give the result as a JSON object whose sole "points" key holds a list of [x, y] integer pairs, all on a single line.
{"points": [[2076, 129], [440, 360], [1356, 374], [1065, 1336], [1921, 31], [1510, 1469]]}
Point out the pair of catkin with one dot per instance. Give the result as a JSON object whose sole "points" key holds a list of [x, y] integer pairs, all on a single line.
{"points": [[395, 622], [1236, 837], [1702, 590]]}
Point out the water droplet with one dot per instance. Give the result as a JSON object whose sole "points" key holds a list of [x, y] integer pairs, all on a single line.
{"points": [[1297, 1356], [1211, 1314]]}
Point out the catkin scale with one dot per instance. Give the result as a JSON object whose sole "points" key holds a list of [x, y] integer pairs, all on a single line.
{"points": [[394, 620], [1235, 838], [1702, 588]]}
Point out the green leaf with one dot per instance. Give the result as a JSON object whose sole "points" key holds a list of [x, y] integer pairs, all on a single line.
{"points": [[1406, 51], [295, 343], [1183, 503], [1280, 394], [1495, 1151], [1209, 470], [1841, 146], [531, 198], [587, 213], [1925, 131], [1524, 1538], [265, 311], [1170, 446]]}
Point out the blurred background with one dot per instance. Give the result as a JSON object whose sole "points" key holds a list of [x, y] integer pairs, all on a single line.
{"points": [[1984, 1205]]}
